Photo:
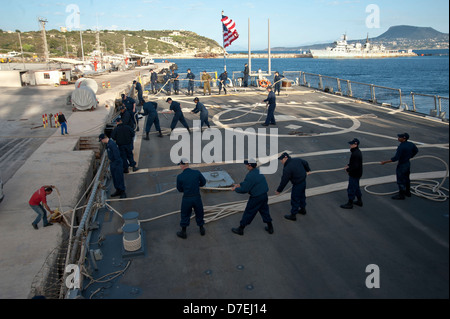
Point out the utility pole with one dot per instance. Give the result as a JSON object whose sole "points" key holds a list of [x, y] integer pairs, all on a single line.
{"points": [[42, 21], [67, 47], [21, 50], [97, 41]]}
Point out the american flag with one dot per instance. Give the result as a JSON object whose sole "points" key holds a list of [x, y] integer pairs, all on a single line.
{"points": [[229, 31]]}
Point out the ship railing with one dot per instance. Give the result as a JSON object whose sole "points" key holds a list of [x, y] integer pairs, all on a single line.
{"points": [[372, 93], [438, 106], [184, 82]]}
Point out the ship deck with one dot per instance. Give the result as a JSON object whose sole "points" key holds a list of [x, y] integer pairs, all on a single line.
{"points": [[324, 254]]}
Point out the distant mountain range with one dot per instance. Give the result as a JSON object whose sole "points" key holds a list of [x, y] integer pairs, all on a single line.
{"points": [[397, 37]]}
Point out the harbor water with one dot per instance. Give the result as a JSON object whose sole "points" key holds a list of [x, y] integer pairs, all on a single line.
{"points": [[421, 74]]}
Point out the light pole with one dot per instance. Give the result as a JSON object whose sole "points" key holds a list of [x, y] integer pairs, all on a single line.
{"points": [[21, 50], [81, 38]]}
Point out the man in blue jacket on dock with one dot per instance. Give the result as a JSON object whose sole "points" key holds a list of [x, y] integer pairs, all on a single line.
{"points": [[405, 151], [189, 183], [272, 104], [254, 184], [295, 170]]}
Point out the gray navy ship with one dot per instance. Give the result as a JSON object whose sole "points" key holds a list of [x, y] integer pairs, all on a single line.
{"points": [[344, 50]]}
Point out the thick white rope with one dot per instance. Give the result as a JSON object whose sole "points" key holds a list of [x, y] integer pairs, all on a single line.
{"points": [[216, 212]]}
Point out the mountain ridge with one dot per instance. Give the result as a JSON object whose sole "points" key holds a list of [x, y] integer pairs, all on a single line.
{"points": [[111, 42]]}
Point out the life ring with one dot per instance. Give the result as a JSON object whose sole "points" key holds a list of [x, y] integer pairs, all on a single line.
{"points": [[264, 83]]}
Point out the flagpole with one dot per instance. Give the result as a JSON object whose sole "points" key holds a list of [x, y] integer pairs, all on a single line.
{"points": [[224, 52]]}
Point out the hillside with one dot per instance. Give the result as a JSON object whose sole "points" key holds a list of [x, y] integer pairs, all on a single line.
{"points": [[153, 42], [396, 38], [411, 33]]}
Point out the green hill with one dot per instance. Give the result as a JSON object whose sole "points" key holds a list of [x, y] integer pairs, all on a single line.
{"points": [[110, 41]]}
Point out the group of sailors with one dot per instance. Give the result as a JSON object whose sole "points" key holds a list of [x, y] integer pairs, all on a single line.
{"points": [[295, 170], [171, 82], [120, 144]]}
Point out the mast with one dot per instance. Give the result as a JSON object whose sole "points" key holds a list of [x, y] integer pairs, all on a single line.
{"points": [[224, 51], [269, 58], [249, 50]]}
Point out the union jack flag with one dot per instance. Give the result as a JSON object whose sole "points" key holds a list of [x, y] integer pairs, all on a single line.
{"points": [[229, 31]]}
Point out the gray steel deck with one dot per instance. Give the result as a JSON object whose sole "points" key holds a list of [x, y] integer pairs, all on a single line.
{"points": [[323, 254]]}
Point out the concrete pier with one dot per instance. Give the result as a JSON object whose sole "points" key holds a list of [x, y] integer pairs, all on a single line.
{"points": [[33, 156]]}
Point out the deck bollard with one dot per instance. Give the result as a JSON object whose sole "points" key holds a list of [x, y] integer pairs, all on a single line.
{"points": [[131, 237], [131, 218]]}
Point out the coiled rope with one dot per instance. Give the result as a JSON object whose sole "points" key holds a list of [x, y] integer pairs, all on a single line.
{"points": [[428, 189], [246, 113]]}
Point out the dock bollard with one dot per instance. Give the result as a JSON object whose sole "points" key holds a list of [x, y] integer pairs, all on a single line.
{"points": [[131, 237], [131, 218]]}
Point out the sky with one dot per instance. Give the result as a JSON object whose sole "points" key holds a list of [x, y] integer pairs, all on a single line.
{"points": [[293, 23]]}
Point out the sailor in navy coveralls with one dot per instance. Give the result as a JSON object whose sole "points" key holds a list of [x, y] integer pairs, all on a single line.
{"points": [[277, 82], [189, 183], [405, 151], [178, 115], [295, 170], [138, 87], [115, 165], [223, 82], [152, 118], [191, 77], [130, 104], [153, 81], [272, 101], [176, 83], [254, 184], [199, 107], [355, 171], [123, 135]]}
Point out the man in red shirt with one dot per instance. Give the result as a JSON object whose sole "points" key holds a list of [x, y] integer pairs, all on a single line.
{"points": [[37, 202]]}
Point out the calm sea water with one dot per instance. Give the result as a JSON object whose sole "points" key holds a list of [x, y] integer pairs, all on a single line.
{"points": [[425, 75]]}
